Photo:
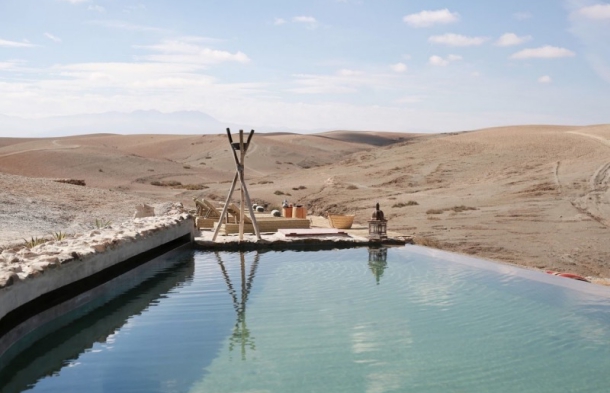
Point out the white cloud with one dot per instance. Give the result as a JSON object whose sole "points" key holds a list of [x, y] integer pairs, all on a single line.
{"points": [[52, 37], [545, 79], [15, 44], [344, 81], [511, 39], [399, 67], [430, 18], [522, 15], [11, 65], [184, 51], [438, 61], [544, 52], [97, 8], [409, 100], [451, 39], [304, 19], [121, 25], [596, 12], [75, 1], [279, 21], [348, 72]]}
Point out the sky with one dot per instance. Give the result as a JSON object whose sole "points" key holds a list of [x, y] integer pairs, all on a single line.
{"points": [[388, 65]]}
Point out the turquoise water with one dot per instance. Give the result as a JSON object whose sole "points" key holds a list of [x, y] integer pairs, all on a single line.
{"points": [[329, 321]]}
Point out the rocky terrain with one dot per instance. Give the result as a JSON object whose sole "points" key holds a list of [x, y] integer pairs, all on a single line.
{"points": [[535, 196]]}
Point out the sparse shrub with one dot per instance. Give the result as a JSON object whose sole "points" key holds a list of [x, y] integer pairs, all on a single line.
{"points": [[434, 211], [186, 166], [194, 187], [299, 188], [166, 183], [352, 187], [278, 192], [100, 170], [462, 208], [403, 204], [427, 242], [34, 241], [59, 235], [151, 170], [102, 223], [265, 182]]}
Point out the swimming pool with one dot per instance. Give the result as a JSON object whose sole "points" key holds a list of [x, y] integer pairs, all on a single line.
{"points": [[407, 319]]}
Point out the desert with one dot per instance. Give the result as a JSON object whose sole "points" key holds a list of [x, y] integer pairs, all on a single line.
{"points": [[534, 196]]}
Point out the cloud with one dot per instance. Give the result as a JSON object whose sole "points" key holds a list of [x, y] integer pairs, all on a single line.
{"points": [[75, 1], [451, 39], [52, 37], [438, 61], [522, 15], [304, 19], [279, 21], [97, 8], [589, 24], [596, 12], [15, 44], [344, 81], [184, 51], [430, 18], [11, 65], [544, 52], [399, 67], [545, 79], [511, 39], [121, 25]]}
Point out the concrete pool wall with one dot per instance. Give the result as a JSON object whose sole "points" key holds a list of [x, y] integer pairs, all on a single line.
{"points": [[51, 274]]}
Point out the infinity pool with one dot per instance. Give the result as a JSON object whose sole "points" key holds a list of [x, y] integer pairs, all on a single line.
{"points": [[403, 320]]}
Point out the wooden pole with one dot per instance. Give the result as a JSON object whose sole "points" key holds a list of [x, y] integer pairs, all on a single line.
{"points": [[225, 208], [245, 196]]}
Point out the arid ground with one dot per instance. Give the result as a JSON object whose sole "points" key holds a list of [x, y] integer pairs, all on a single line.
{"points": [[535, 196]]}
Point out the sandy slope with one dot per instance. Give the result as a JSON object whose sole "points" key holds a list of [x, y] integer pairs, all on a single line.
{"points": [[530, 195]]}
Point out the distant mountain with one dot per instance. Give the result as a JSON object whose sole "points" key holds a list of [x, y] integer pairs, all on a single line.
{"points": [[137, 122]]}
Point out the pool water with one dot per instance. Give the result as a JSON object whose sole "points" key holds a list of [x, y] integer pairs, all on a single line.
{"points": [[403, 320]]}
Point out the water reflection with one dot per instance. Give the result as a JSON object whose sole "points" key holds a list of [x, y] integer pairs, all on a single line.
{"points": [[378, 262], [45, 352], [241, 336]]}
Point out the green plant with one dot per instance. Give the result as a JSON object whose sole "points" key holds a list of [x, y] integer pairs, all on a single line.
{"points": [[102, 223], [34, 241], [59, 235]]}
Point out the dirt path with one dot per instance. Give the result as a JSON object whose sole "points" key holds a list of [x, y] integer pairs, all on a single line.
{"points": [[54, 143]]}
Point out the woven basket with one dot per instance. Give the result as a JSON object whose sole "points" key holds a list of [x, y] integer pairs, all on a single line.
{"points": [[341, 221]]}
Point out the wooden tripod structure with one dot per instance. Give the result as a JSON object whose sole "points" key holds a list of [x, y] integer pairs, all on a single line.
{"points": [[239, 175]]}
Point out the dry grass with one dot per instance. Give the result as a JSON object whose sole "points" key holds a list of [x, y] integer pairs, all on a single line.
{"points": [[434, 211], [403, 204], [427, 242]]}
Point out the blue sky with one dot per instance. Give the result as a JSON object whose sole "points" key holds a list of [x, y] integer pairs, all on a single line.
{"points": [[317, 64]]}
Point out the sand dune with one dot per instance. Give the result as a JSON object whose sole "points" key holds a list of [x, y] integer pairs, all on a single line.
{"points": [[535, 196]]}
